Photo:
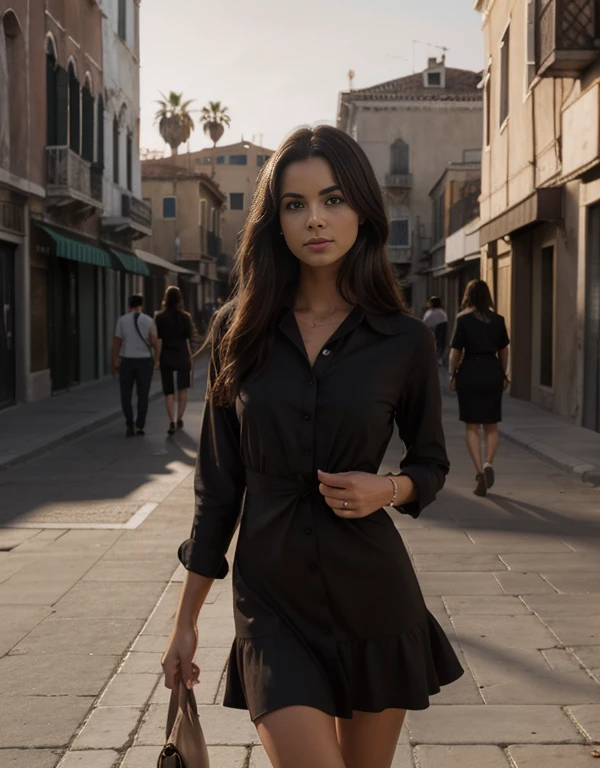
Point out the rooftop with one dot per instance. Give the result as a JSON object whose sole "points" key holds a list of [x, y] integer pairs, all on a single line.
{"points": [[461, 85]]}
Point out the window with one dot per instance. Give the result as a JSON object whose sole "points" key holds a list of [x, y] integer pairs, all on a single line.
{"points": [[438, 219], [100, 131], [51, 89], [504, 76], [169, 207], [206, 160], [434, 79], [400, 157], [129, 161], [530, 42], [236, 201], [115, 144], [547, 318], [487, 108], [122, 22], [261, 160], [399, 233], [232, 159], [87, 122], [74, 111]]}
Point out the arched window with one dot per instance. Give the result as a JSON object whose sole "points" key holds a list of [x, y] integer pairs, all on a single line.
{"points": [[100, 131], [74, 110], [129, 161], [51, 93], [14, 62], [87, 121], [115, 148], [400, 157]]}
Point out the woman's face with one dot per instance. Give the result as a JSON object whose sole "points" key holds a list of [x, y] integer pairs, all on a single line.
{"points": [[318, 225]]}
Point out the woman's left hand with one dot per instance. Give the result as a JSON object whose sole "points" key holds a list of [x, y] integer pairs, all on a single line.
{"points": [[361, 492]]}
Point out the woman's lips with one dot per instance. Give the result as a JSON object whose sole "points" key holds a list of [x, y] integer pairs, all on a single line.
{"points": [[319, 246]]}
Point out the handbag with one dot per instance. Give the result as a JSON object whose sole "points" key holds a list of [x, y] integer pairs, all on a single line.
{"points": [[185, 747]]}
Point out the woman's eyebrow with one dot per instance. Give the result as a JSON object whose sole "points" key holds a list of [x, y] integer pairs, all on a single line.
{"points": [[322, 192]]}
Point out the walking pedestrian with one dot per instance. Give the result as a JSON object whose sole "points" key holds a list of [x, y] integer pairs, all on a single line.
{"points": [[477, 368], [312, 361], [437, 321], [134, 350], [174, 329]]}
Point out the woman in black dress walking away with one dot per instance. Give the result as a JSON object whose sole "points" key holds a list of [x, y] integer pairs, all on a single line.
{"points": [[174, 329], [313, 361], [477, 367]]}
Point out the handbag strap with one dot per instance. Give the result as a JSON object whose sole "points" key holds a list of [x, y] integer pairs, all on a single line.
{"points": [[136, 319]]}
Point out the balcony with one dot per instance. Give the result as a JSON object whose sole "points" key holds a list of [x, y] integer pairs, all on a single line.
{"points": [[398, 180], [134, 220], [400, 254], [72, 181], [567, 39], [12, 218]]}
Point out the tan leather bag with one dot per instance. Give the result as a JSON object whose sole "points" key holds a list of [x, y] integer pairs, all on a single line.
{"points": [[185, 747]]}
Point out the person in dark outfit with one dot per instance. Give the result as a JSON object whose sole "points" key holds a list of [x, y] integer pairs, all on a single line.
{"points": [[477, 367], [133, 351], [314, 361], [174, 330]]}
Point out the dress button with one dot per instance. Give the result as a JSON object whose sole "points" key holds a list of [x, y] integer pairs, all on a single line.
{"points": [[313, 566], [326, 352], [306, 417], [308, 531], [311, 382], [303, 496]]}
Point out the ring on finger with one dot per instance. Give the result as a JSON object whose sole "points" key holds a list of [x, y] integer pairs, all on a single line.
{"points": [[345, 505]]}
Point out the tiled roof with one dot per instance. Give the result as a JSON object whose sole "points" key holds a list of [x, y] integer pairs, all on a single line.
{"points": [[461, 85]]}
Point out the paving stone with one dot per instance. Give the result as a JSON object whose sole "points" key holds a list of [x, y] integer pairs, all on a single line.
{"points": [[161, 569], [559, 606], [45, 584], [588, 719], [523, 584], [12, 537], [458, 562], [55, 720], [17, 621], [101, 758], [552, 756], [219, 757], [127, 690], [493, 724], [577, 630], [11, 563], [142, 663], [109, 728], [102, 599], [87, 674], [462, 757], [589, 656], [98, 636], [485, 606], [402, 759], [220, 725], [506, 631], [29, 758], [553, 563], [459, 584], [574, 582], [150, 644]]}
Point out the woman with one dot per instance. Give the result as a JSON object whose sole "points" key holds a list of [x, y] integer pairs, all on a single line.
{"points": [[174, 330], [312, 362], [437, 321], [481, 342]]}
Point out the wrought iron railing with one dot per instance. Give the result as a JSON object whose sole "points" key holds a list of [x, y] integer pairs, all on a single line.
{"points": [[137, 210], [69, 171], [566, 35], [399, 180], [12, 218]]}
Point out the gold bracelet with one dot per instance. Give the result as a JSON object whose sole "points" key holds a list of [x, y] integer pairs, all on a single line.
{"points": [[391, 479]]}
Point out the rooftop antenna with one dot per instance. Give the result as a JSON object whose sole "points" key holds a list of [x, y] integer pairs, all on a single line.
{"points": [[351, 75], [429, 45]]}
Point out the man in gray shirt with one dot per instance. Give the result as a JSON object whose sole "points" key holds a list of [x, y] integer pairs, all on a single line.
{"points": [[133, 361]]}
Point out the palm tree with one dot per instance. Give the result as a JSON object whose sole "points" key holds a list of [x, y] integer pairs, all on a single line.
{"points": [[174, 120], [214, 119]]}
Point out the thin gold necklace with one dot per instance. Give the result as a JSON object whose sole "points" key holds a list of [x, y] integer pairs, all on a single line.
{"points": [[320, 325]]}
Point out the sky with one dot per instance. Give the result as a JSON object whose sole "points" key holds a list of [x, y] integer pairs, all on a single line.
{"points": [[278, 64]]}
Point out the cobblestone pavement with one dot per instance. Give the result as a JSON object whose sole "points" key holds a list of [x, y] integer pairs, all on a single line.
{"points": [[89, 584]]}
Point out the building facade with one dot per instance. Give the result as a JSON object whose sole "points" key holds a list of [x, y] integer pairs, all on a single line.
{"points": [[410, 129], [540, 198], [187, 209]]}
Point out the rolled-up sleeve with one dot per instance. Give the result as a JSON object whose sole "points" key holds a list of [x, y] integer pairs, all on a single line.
{"points": [[419, 421], [219, 484]]}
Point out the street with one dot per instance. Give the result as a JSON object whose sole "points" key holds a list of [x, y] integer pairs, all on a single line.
{"points": [[89, 582]]}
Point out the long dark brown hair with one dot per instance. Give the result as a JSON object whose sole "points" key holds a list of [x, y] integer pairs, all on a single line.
{"points": [[266, 272], [173, 299], [477, 295]]}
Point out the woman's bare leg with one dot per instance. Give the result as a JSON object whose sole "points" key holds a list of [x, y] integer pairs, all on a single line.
{"points": [[492, 439], [300, 737], [182, 398], [370, 739], [474, 445], [170, 406]]}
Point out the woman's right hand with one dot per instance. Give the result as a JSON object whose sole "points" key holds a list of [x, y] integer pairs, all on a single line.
{"points": [[177, 660]]}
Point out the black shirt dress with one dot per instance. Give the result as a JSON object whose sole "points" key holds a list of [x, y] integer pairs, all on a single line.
{"points": [[328, 611], [480, 376]]}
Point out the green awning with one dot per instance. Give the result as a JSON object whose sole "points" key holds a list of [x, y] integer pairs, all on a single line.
{"points": [[131, 263], [75, 250]]}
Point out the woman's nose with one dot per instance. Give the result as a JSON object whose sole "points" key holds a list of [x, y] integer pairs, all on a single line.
{"points": [[315, 218]]}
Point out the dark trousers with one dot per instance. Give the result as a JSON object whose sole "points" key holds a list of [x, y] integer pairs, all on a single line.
{"points": [[138, 370]]}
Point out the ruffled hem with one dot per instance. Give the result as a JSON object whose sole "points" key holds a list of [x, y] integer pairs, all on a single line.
{"points": [[367, 675]]}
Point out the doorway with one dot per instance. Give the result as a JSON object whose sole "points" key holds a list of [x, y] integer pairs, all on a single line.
{"points": [[591, 386], [62, 325], [7, 325]]}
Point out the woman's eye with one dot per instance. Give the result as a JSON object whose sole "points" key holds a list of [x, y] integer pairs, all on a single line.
{"points": [[290, 206], [336, 200]]}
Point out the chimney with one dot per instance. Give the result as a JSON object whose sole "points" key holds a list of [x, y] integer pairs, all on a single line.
{"points": [[431, 63]]}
